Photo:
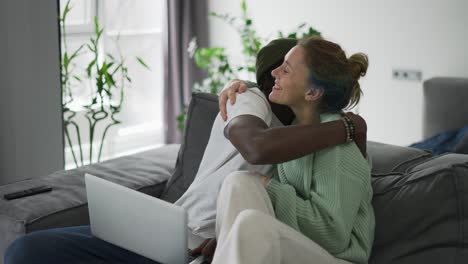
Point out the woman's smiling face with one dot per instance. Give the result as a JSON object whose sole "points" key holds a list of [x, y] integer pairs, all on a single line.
{"points": [[290, 79]]}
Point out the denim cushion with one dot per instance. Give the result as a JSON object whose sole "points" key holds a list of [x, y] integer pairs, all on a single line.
{"points": [[447, 141]]}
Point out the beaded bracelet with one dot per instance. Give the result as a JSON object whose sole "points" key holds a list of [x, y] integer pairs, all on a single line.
{"points": [[350, 128], [353, 128]]}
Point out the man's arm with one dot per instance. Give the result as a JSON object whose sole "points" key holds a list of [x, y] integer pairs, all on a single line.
{"points": [[247, 139], [259, 144]]}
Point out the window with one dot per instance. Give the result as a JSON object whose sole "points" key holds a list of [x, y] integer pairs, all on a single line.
{"points": [[135, 29]]}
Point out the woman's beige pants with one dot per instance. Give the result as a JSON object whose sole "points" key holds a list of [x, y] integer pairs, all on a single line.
{"points": [[248, 232]]}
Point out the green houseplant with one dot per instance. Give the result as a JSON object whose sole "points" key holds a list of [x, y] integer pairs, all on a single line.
{"points": [[108, 77], [216, 62]]}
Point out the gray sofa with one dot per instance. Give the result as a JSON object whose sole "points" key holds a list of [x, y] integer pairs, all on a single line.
{"points": [[420, 200]]}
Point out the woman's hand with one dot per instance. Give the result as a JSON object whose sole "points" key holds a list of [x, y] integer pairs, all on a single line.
{"points": [[361, 132], [229, 92], [265, 180], [207, 249]]}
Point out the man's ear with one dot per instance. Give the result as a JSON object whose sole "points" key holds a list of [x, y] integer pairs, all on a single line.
{"points": [[313, 94]]}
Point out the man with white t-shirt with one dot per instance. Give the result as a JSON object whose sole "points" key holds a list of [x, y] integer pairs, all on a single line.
{"points": [[219, 160], [252, 138]]}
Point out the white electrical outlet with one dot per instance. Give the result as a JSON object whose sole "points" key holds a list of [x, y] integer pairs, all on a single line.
{"points": [[407, 75]]}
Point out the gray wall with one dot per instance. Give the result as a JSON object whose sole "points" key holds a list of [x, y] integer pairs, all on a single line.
{"points": [[31, 142]]}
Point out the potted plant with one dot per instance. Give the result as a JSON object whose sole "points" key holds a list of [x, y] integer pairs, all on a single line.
{"points": [[108, 78]]}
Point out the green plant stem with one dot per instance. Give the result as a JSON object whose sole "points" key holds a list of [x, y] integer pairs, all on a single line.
{"points": [[91, 135], [91, 141], [70, 144], [97, 119], [103, 137], [78, 135]]}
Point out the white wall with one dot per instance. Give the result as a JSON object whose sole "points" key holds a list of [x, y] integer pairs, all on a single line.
{"points": [[31, 142], [426, 35]]}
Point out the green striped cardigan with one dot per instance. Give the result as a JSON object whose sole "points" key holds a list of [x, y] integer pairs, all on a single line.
{"points": [[327, 197]]}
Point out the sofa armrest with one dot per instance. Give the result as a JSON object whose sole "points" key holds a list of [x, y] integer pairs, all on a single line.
{"points": [[455, 94]]}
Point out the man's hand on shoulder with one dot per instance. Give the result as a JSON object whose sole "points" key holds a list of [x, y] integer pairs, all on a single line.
{"points": [[229, 93]]}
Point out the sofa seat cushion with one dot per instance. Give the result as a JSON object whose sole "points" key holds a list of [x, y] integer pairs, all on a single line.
{"points": [[66, 204], [422, 214]]}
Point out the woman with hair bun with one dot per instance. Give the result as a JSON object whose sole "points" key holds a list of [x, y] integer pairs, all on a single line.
{"points": [[317, 208]]}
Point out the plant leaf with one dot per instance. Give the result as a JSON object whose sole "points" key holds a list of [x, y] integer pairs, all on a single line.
{"points": [[65, 11], [90, 48], [66, 61], [109, 79], [117, 68], [76, 52], [90, 66], [96, 24], [107, 92], [140, 60]]}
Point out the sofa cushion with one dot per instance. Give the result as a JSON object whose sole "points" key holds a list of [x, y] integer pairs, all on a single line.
{"points": [[201, 113], [422, 214], [445, 160], [390, 158]]}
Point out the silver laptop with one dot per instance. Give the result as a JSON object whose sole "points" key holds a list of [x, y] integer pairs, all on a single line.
{"points": [[137, 222]]}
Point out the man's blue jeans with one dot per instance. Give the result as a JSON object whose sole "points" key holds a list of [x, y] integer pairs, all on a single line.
{"points": [[68, 245]]}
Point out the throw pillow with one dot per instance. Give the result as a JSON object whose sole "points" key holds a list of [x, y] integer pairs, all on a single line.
{"points": [[201, 114]]}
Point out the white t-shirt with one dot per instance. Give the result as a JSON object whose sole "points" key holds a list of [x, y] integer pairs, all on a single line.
{"points": [[219, 160]]}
